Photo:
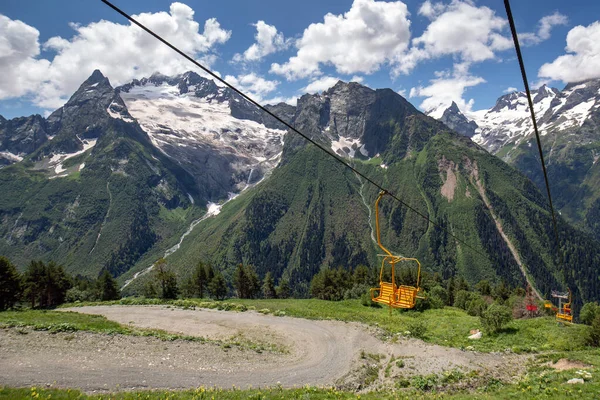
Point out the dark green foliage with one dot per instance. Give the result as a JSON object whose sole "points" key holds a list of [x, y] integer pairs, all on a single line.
{"points": [[217, 286], [268, 287], [501, 291], [495, 317], [330, 284], [438, 296], [283, 289], [450, 287], [45, 285], [167, 280], [588, 312], [139, 240], [484, 288], [108, 288], [476, 306], [246, 282], [149, 290], [593, 338], [10, 284], [200, 278]]}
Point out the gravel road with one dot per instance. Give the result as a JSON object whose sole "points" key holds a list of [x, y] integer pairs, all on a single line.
{"points": [[318, 353]]}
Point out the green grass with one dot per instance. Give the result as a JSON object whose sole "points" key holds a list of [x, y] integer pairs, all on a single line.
{"points": [[57, 321], [447, 327]]}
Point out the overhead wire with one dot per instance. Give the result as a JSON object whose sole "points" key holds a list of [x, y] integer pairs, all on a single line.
{"points": [[513, 30], [289, 126]]}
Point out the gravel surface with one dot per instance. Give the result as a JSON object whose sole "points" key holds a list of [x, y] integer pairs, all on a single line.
{"points": [[318, 353]]}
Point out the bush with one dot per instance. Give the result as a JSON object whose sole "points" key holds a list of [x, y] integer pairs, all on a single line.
{"points": [[476, 307], [440, 293], [495, 317], [588, 313], [464, 297], [417, 328], [593, 338]]}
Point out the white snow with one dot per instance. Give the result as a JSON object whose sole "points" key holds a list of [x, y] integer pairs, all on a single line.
{"points": [[184, 120], [346, 146], [81, 166], [94, 85], [117, 115], [191, 198], [57, 160], [11, 156]]}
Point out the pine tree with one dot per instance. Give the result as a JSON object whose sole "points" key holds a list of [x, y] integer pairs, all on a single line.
{"points": [[10, 284], [218, 287], [284, 290], [33, 282], [200, 278], [268, 287], [240, 281], [450, 290], [108, 287], [167, 280]]}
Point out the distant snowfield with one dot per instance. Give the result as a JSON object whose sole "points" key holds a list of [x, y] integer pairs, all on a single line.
{"points": [[346, 146], [185, 120], [513, 124]]}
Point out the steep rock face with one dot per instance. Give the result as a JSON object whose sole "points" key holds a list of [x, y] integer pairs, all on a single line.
{"points": [[457, 121], [356, 121], [220, 138], [20, 137]]}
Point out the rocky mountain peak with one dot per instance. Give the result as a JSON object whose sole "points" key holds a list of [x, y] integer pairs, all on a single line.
{"points": [[456, 120]]}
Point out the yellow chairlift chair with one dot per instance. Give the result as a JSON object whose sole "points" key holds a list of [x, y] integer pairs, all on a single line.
{"points": [[389, 293]]}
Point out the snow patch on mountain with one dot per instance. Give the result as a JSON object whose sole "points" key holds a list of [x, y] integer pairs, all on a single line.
{"points": [[56, 161], [347, 147]]}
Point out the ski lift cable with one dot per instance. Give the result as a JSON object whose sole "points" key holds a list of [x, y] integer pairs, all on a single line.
{"points": [[289, 126], [535, 127]]}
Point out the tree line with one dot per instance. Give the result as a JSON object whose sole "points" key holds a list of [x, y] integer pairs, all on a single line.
{"points": [[48, 285]]}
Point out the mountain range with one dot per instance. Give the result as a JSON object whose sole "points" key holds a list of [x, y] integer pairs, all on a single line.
{"points": [[184, 168], [568, 124]]}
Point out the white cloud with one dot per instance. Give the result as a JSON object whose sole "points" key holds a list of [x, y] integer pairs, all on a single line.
{"points": [[19, 47], [357, 78], [545, 25], [510, 89], [121, 52], [292, 101], [444, 89], [460, 29], [361, 40], [320, 84], [583, 62], [253, 85], [268, 41]]}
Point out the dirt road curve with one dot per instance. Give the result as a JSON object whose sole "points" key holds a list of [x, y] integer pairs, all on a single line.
{"points": [[319, 353]]}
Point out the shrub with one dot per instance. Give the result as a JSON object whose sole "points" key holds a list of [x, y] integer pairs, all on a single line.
{"points": [[588, 313], [417, 328], [440, 293], [593, 338], [476, 307], [495, 317]]}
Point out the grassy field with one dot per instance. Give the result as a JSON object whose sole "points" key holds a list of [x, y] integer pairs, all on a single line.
{"points": [[447, 327]]}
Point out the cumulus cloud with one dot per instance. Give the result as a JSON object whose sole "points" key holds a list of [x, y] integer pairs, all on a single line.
{"points": [[510, 89], [583, 60], [121, 52], [545, 25], [19, 47], [253, 85], [445, 88], [320, 84], [360, 41], [459, 29], [268, 41], [292, 101]]}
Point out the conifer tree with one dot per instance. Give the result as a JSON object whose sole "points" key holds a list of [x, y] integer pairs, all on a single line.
{"points": [[10, 284], [217, 286], [268, 287], [108, 288]]}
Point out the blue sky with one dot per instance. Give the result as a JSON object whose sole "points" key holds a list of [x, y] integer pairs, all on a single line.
{"points": [[424, 50]]}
